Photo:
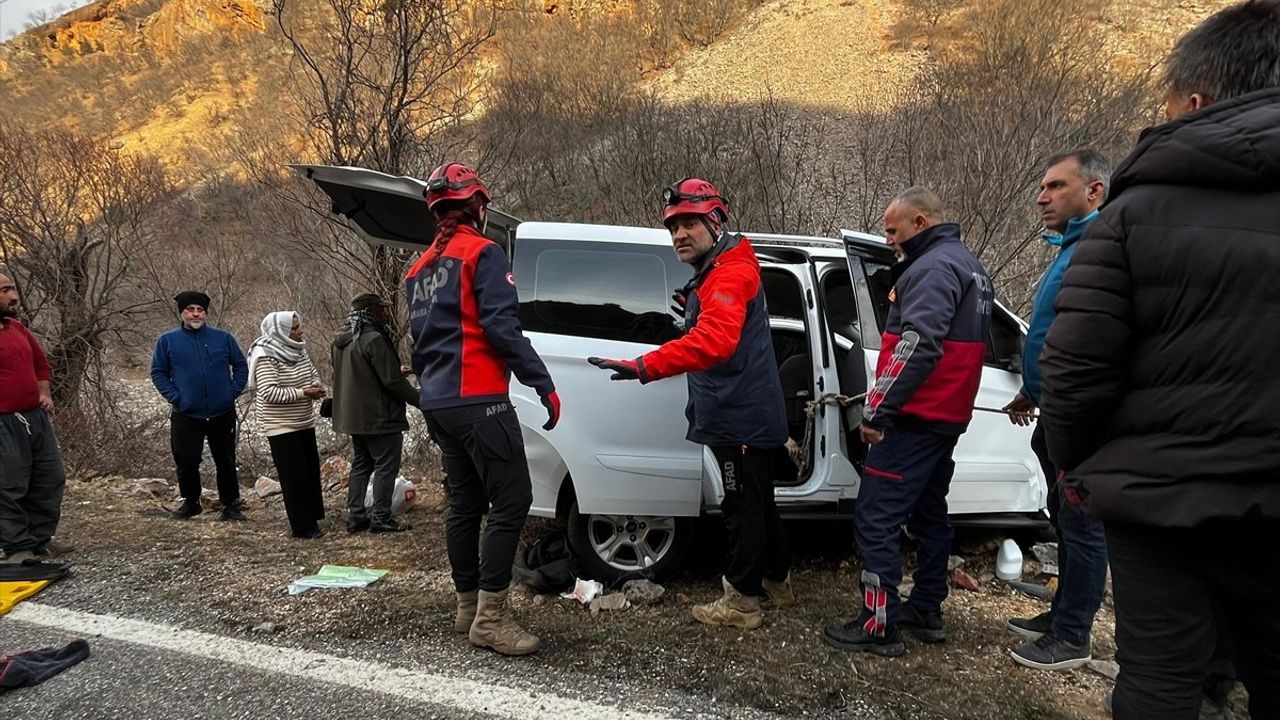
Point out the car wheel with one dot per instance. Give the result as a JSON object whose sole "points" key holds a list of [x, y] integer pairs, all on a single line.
{"points": [[614, 548]]}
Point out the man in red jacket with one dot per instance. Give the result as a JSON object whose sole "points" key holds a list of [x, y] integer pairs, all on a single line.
{"points": [[31, 472], [735, 396]]}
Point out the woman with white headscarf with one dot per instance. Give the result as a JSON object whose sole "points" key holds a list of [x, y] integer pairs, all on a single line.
{"points": [[285, 387]]}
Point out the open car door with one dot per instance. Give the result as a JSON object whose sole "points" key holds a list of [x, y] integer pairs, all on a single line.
{"points": [[388, 209]]}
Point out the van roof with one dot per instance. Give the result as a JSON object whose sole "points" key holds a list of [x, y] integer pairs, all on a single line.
{"points": [[811, 244]]}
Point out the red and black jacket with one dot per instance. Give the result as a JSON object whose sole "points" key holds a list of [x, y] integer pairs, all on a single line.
{"points": [[465, 325], [935, 337], [735, 396]]}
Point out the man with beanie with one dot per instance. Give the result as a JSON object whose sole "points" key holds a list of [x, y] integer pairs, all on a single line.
{"points": [[370, 393], [31, 472], [200, 370]]}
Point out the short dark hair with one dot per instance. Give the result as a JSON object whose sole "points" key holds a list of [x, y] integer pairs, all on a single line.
{"points": [[1093, 166], [1234, 52]]}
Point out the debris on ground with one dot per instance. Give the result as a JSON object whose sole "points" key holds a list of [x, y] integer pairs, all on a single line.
{"points": [[1106, 668], [154, 488], [964, 580], [612, 601], [265, 487], [266, 627], [1047, 555], [954, 562], [643, 592], [584, 591], [403, 497], [337, 576], [1039, 592], [334, 473], [683, 600]]}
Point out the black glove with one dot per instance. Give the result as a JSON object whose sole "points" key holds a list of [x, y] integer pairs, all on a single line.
{"points": [[622, 369], [551, 401]]}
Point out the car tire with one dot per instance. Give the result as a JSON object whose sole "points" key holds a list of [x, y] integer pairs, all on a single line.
{"points": [[617, 548]]}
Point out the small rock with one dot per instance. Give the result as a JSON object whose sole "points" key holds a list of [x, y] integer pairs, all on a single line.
{"points": [[1106, 668], [642, 592], [266, 487], [683, 600], [151, 487], [335, 472], [539, 600], [266, 627], [954, 562], [612, 601], [964, 580], [1047, 554]]}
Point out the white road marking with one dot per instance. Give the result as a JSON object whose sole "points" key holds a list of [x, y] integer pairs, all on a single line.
{"points": [[404, 683]]}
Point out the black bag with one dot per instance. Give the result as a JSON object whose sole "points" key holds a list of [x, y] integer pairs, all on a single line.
{"points": [[326, 408], [547, 566]]}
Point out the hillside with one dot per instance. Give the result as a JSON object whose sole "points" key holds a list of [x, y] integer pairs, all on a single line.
{"points": [[183, 78]]}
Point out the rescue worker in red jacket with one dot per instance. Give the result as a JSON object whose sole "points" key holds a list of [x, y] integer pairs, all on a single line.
{"points": [[927, 377], [467, 341], [735, 397]]}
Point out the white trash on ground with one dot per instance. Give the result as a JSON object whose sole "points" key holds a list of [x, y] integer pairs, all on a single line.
{"points": [[337, 576], [403, 497], [584, 591]]}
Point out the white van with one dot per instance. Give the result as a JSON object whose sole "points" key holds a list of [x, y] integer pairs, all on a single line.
{"points": [[618, 469]]}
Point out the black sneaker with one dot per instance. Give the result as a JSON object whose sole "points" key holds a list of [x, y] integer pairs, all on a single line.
{"points": [[188, 509], [357, 526], [232, 512], [311, 534], [1052, 653], [388, 526], [852, 637], [928, 627], [1034, 627]]}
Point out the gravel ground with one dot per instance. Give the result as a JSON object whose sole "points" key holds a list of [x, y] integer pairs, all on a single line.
{"points": [[225, 578]]}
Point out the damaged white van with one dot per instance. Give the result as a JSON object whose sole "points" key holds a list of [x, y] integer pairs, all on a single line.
{"points": [[618, 469]]}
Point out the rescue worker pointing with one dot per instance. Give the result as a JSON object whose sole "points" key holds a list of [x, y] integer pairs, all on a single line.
{"points": [[735, 398], [467, 341]]}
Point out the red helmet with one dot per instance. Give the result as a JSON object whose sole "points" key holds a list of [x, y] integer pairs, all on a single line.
{"points": [[692, 196], [454, 181]]}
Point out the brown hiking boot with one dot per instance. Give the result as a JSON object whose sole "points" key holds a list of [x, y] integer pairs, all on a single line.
{"points": [[493, 627], [733, 608], [780, 593], [466, 611]]}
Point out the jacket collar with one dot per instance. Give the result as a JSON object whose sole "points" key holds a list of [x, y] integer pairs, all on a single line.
{"points": [[1075, 228], [927, 239]]}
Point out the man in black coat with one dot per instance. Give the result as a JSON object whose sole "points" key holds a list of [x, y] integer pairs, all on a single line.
{"points": [[1161, 396]]}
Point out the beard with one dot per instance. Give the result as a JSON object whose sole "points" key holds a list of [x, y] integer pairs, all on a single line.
{"points": [[9, 311], [193, 324]]}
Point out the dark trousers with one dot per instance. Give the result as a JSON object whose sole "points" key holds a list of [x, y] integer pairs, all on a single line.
{"points": [[904, 482], [31, 481], [297, 462], [487, 473], [1168, 582], [376, 456], [187, 436], [1082, 557], [758, 546]]}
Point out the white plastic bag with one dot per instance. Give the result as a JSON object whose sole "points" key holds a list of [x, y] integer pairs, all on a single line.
{"points": [[403, 497]]}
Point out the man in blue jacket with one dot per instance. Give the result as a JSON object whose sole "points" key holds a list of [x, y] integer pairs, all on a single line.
{"points": [[200, 370], [1074, 187]]}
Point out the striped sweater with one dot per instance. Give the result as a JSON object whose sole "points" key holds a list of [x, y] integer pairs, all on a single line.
{"points": [[278, 401]]}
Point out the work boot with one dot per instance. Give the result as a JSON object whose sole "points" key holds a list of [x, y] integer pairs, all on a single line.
{"points": [[54, 548], [466, 611], [188, 509], [928, 627], [19, 557], [733, 608], [493, 627], [780, 593]]}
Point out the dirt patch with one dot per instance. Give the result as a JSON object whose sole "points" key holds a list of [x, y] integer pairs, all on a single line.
{"points": [[239, 572]]}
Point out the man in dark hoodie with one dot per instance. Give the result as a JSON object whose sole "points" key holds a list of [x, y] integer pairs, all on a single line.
{"points": [[201, 370], [1161, 394], [927, 377], [370, 394]]}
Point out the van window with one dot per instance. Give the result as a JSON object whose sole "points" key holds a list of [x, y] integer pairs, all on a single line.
{"points": [[1005, 341], [611, 291], [841, 305]]}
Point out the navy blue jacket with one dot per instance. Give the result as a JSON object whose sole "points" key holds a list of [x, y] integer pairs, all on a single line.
{"points": [[465, 323], [735, 397], [935, 337], [200, 372]]}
